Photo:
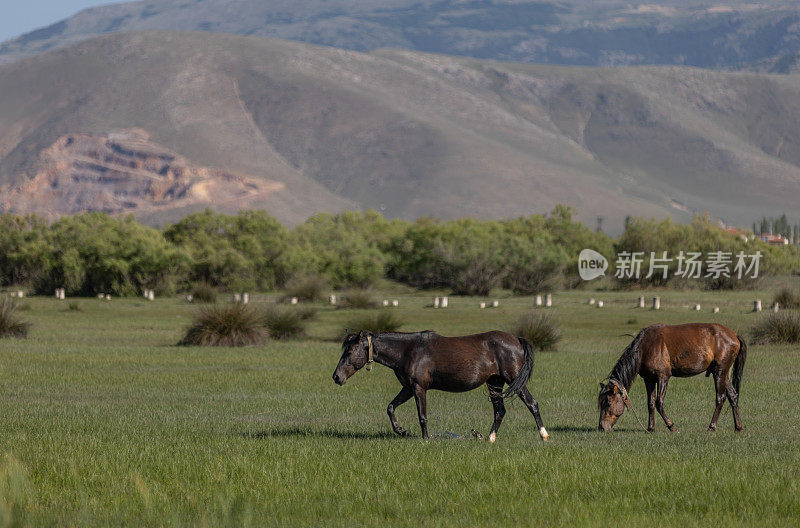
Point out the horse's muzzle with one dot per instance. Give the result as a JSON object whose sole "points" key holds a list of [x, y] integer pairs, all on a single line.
{"points": [[337, 379]]}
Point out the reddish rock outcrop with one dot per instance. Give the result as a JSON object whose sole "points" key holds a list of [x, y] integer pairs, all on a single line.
{"points": [[124, 172]]}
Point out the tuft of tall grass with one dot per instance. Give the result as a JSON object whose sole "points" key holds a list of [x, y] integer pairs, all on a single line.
{"points": [[231, 325], [285, 322], [10, 324], [358, 300], [381, 321], [781, 327], [787, 298], [307, 288], [15, 492], [74, 306], [539, 328], [204, 293]]}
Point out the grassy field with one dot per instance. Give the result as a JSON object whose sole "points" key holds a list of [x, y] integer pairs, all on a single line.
{"points": [[114, 425]]}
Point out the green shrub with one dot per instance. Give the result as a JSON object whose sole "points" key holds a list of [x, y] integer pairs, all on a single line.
{"points": [[284, 322], [226, 325], [306, 313], [781, 327], [539, 328], [10, 324], [307, 288], [381, 321], [74, 306], [204, 293], [358, 300], [787, 298]]}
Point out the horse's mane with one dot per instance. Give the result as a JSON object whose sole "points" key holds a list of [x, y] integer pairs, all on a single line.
{"points": [[354, 337], [626, 369]]}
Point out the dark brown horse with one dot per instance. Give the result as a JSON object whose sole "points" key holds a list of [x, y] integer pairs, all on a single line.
{"points": [[661, 351], [425, 360]]}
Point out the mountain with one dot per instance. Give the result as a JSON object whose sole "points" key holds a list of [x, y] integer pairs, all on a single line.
{"points": [[162, 123], [735, 35]]}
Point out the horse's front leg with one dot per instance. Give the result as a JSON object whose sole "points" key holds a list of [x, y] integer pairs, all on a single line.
{"points": [[650, 384], [402, 397], [662, 392], [422, 411]]}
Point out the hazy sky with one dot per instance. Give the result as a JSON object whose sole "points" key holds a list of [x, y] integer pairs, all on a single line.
{"points": [[18, 17]]}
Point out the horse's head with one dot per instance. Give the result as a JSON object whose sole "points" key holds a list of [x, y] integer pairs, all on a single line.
{"points": [[355, 354], [611, 402]]}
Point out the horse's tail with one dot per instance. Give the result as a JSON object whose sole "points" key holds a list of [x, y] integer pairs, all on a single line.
{"points": [[518, 383], [738, 365]]}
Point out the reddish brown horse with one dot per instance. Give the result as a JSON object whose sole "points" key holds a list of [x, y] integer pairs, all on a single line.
{"points": [[659, 352], [425, 360]]}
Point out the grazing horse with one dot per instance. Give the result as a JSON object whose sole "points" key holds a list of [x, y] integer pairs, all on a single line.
{"points": [[661, 351], [425, 360]]}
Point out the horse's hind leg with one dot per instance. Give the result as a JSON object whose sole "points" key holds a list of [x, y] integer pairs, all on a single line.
{"points": [[534, 408], [402, 397], [719, 385], [733, 398], [496, 396]]}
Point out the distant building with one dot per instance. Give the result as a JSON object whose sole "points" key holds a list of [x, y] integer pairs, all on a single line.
{"points": [[774, 240], [738, 232]]}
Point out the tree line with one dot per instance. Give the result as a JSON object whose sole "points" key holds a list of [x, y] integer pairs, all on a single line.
{"points": [[250, 251]]}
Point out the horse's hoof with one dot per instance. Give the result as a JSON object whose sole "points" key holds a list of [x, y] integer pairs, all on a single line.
{"points": [[674, 430], [712, 429], [738, 429], [405, 434], [476, 435], [492, 437], [543, 433]]}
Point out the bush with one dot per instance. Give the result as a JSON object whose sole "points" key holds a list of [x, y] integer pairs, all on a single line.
{"points": [[204, 293], [74, 307], [228, 325], [10, 324], [306, 313], [358, 300], [781, 327], [284, 323], [307, 288], [539, 328], [787, 298], [382, 321]]}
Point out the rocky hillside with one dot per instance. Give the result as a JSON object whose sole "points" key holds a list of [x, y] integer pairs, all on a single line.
{"points": [[298, 129], [737, 34], [124, 172]]}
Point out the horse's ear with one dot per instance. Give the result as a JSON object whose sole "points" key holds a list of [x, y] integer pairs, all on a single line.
{"points": [[602, 386]]}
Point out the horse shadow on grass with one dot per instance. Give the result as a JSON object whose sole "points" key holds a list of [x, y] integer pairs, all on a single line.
{"points": [[297, 432]]}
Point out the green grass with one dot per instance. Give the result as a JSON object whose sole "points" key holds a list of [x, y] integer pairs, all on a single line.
{"points": [[114, 425]]}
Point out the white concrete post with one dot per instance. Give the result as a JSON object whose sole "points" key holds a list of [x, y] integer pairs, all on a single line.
{"points": [[443, 302], [548, 300], [656, 303]]}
